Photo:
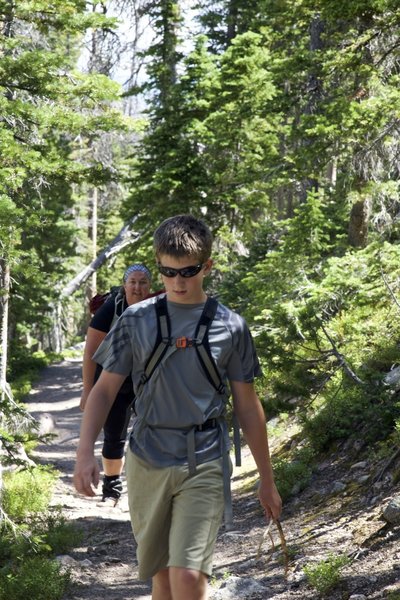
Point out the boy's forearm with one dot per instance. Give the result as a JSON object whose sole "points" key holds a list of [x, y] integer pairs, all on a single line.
{"points": [[88, 372], [252, 420], [98, 406], [95, 414], [255, 433], [251, 417]]}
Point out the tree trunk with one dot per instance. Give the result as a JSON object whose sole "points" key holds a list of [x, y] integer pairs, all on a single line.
{"points": [[93, 237], [5, 287], [4, 297], [314, 93], [358, 225]]}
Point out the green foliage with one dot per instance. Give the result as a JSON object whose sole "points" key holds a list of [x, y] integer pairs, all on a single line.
{"points": [[59, 534], [27, 362], [326, 326], [31, 577], [51, 112], [292, 475], [27, 491], [350, 411], [325, 575], [48, 533], [24, 368]]}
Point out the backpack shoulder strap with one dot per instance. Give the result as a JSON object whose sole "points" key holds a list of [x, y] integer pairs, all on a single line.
{"points": [[209, 366], [203, 346], [163, 341], [119, 304]]}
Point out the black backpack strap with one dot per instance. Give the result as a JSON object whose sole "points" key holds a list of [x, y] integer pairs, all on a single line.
{"points": [[203, 346], [163, 341], [210, 368]]}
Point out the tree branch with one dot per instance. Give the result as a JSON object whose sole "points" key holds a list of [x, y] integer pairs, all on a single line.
{"points": [[342, 361], [125, 237], [389, 288]]}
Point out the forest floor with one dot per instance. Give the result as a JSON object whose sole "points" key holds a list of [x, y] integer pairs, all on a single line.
{"points": [[340, 512]]}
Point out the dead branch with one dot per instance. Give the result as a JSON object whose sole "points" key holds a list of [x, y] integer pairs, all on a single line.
{"points": [[387, 464], [389, 288], [125, 237], [342, 361]]}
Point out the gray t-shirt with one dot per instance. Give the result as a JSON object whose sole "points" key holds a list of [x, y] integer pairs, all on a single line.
{"points": [[178, 395]]}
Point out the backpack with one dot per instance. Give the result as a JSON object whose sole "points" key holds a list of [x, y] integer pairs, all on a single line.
{"points": [[99, 299], [115, 292], [201, 344]]}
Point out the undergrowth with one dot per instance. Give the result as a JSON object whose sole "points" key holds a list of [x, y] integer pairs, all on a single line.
{"points": [[32, 536], [326, 574]]}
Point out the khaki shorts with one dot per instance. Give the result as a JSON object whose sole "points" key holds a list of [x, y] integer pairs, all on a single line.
{"points": [[175, 517]]}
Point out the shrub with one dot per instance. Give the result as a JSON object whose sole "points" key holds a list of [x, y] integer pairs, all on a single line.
{"points": [[58, 534], [325, 575], [293, 474], [31, 577], [27, 491], [46, 534], [348, 410]]}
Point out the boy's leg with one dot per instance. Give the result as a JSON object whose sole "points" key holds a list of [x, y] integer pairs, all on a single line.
{"points": [[197, 513], [177, 583], [160, 586], [187, 584], [175, 518]]}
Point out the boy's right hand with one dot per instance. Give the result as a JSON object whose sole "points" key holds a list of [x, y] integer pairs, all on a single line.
{"points": [[84, 397], [86, 474]]}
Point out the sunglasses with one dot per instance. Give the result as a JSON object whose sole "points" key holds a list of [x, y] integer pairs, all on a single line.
{"points": [[185, 272]]}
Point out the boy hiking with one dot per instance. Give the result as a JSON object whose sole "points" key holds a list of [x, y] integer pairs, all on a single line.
{"points": [[177, 457]]}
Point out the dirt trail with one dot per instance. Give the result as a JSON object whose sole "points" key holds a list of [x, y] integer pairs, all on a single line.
{"points": [[337, 513], [108, 542]]}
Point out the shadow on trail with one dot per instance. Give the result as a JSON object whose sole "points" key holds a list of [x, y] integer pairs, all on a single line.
{"points": [[56, 399]]}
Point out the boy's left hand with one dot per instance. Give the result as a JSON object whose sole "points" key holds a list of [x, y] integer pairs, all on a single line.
{"points": [[270, 499]]}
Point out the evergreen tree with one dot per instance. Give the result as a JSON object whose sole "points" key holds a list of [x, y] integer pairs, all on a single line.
{"points": [[48, 109]]}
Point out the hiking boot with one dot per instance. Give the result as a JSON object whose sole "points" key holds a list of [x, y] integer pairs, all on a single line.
{"points": [[112, 488]]}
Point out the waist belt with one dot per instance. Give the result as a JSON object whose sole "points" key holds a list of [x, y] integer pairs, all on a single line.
{"points": [[209, 424]]}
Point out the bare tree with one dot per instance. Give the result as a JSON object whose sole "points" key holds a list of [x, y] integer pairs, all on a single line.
{"points": [[125, 237]]}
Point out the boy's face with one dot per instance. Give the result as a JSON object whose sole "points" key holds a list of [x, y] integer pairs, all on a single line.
{"points": [[184, 290]]}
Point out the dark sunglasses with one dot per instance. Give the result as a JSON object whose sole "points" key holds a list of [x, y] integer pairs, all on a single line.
{"points": [[185, 272]]}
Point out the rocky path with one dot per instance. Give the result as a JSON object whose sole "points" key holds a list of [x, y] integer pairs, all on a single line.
{"points": [[339, 513]]}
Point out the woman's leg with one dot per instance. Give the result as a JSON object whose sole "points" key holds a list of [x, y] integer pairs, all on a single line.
{"points": [[115, 433]]}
